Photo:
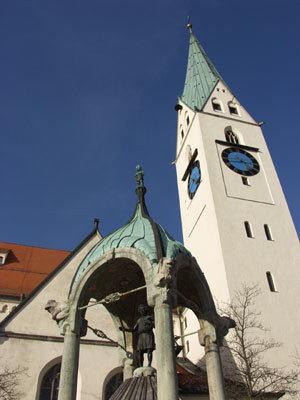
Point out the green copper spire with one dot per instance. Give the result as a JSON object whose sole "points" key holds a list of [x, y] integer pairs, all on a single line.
{"points": [[201, 75]]}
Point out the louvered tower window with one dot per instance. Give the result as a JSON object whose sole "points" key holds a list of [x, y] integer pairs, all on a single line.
{"points": [[216, 105], [233, 108], [231, 137]]}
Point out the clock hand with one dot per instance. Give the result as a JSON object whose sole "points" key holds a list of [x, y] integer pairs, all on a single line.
{"points": [[238, 160]]}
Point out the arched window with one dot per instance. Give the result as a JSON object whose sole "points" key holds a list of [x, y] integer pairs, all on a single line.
{"points": [[230, 136], [111, 385], [50, 383], [216, 105]]}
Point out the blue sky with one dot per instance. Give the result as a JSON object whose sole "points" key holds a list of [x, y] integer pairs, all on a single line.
{"points": [[88, 90]]}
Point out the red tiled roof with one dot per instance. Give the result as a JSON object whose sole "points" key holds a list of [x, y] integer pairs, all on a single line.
{"points": [[26, 267], [191, 378]]}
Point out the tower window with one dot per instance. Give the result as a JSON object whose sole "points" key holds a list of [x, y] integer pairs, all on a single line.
{"points": [[182, 134], [233, 109], [248, 229], [230, 136], [216, 104], [185, 323], [187, 120], [187, 344], [245, 181], [271, 282], [268, 232]]}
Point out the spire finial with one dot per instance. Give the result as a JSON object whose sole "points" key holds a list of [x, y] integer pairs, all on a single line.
{"points": [[189, 25], [96, 223], [140, 187]]}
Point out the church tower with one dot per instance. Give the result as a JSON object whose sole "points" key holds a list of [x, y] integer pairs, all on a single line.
{"points": [[235, 218]]}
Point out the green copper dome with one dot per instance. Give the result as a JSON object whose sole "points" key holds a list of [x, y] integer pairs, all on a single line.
{"points": [[141, 233], [201, 76]]}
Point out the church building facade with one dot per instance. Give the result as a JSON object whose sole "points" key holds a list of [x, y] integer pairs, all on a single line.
{"points": [[235, 223]]}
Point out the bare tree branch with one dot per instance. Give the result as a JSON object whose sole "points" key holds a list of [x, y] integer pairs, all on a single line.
{"points": [[9, 382], [247, 374]]}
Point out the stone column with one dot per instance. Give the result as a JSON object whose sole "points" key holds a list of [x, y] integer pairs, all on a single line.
{"points": [[208, 339], [164, 338], [69, 366]]}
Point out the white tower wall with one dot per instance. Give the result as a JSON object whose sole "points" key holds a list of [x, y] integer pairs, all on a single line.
{"points": [[213, 221]]}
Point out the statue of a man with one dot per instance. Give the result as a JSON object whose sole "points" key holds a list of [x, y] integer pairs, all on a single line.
{"points": [[144, 327]]}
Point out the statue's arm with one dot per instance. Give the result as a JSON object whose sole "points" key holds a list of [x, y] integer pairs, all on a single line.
{"points": [[126, 329]]}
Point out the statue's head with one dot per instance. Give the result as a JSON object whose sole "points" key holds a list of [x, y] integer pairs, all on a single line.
{"points": [[51, 306], [143, 309]]}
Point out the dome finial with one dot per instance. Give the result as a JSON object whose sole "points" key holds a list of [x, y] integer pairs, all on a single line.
{"points": [[189, 25], [140, 187], [139, 176]]}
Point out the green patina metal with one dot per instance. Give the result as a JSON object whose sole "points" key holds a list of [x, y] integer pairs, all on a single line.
{"points": [[201, 76], [141, 233]]}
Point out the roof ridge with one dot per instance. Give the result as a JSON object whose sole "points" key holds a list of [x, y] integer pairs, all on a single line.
{"points": [[48, 277], [33, 246]]}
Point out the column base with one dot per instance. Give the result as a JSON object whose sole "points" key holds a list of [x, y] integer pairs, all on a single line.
{"points": [[144, 371]]}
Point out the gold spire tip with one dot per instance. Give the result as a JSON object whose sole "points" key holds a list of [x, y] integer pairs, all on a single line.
{"points": [[189, 27], [189, 24]]}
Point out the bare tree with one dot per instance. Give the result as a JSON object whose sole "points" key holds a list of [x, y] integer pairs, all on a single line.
{"points": [[248, 374], [9, 382]]}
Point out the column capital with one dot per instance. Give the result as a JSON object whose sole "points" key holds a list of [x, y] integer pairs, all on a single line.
{"points": [[207, 333], [164, 282], [60, 312], [215, 331]]}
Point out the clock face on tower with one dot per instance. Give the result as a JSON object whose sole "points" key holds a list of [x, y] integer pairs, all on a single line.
{"points": [[240, 161], [194, 179]]}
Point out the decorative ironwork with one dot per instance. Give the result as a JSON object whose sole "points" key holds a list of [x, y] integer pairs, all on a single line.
{"points": [[103, 335], [112, 297]]}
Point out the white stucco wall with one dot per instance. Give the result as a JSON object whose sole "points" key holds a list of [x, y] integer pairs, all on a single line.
{"points": [[6, 306], [95, 361]]}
